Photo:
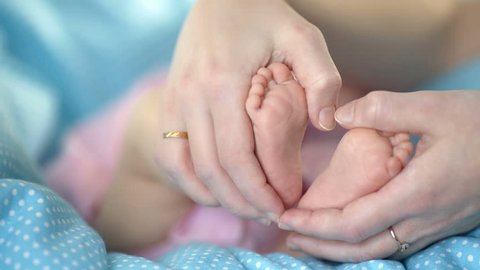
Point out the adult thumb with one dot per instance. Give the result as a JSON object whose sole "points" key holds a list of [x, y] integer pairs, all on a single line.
{"points": [[413, 112]]}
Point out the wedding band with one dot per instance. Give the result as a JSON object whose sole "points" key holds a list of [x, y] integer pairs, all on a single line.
{"points": [[402, 246], [175, 134]]}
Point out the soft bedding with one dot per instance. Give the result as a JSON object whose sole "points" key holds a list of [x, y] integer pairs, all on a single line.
{"points": [[39, 230]]}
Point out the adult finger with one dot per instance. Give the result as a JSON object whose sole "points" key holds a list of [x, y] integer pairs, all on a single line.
{"points": [[381, 245], [173, 157], [236, 146], [395, 112], [414, 233], [208, 168], [360, 219], [403, 197], [341, 239], [178, 169], [314, 69]]}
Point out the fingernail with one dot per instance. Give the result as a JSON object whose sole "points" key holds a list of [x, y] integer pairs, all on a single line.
{"points": [[265, 221], [292, 246], [326, 118], [344, 115], [273, 217], [284, 226]]}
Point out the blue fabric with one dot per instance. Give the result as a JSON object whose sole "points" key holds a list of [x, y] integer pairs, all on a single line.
{"points": [[30, 106], [38, 230], [14, 160], [461, 252], [466, 76], [87, 52]]}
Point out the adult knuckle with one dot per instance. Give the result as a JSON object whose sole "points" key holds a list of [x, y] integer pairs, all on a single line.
{"points": [[186, 75], [201, 200], [184, 91], [214, 69], [361, 255], [374, 104], [424, 201], [306, 32], [239, 211], [205, 77], [211, 68], [189, 73], [215, 88], [353, 234], [421, 199], [334, 80], [174, 166], [240, 208], [328, 82], [207, 173], [233, 158]]}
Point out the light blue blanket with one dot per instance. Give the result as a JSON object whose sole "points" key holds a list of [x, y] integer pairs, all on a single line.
{"points": [[38, 230]]}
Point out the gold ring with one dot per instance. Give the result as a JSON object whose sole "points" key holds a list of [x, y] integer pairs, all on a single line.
{"points": [[175, 134], [402, 246]]}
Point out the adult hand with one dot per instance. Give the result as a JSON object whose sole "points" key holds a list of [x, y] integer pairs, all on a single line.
{"points": [[222, 45], [435, 196]]}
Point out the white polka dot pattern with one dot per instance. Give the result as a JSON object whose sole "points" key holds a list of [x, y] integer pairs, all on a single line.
{"points": [[41, 231], [38, 230]]}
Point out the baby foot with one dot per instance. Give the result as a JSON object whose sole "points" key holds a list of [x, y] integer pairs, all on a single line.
{"points": [[363, 162], [277, 107]]}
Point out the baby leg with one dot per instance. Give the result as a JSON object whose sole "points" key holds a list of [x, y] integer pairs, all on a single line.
{"points": [[277, 107], [364, 161]]}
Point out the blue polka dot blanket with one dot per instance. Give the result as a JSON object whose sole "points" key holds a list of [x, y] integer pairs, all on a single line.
{"points": [[39, 230]]}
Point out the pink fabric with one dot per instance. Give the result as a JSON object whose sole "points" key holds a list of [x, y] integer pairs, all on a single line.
{"points": [[83, 173], [218, 226]]}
